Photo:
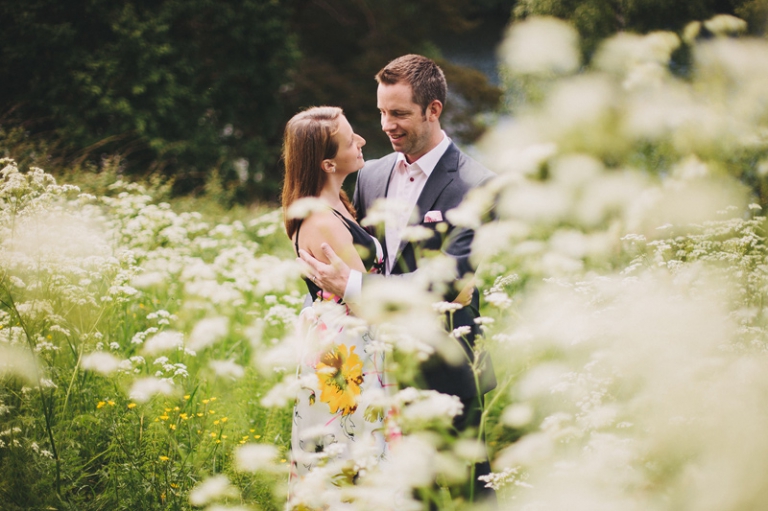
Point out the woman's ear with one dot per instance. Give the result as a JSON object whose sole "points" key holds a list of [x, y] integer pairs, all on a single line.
{"points": [[328, 166]]}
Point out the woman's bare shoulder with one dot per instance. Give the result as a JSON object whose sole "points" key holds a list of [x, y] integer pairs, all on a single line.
{"points": [[322, 226]]}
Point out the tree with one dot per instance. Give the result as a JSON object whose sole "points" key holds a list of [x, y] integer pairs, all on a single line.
{"points": [[598, 19], [179, 86], [345, 42], [200, 89]]}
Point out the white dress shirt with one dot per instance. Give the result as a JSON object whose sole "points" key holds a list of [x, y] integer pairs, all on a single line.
{"points": [[406, 185]]}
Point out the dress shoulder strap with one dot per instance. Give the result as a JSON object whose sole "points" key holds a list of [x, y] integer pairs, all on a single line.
{"points": [[344, 219], [296, 242]]}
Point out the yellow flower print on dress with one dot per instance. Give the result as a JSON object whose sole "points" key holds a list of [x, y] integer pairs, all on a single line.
{"points": [[340, 373]]}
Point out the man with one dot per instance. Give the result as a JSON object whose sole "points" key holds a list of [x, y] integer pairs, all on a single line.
{"points": [[429, 173]]}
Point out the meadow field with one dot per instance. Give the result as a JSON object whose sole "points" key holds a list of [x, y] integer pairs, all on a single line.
{"points": [[147, 345]]}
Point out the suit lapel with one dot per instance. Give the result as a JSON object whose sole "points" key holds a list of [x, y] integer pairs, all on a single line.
{"points": [[379, 191], [441, 176], [381, 183]]}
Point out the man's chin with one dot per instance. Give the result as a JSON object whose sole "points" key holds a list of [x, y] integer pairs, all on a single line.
{"points": [[396, 146]]}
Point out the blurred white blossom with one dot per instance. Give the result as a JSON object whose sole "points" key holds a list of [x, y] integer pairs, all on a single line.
{"points": [[143, 389], [100, 362], [211, 489], [541, 45]]}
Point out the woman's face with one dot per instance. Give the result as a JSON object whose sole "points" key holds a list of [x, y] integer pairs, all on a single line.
{"points": [[349, 157]]}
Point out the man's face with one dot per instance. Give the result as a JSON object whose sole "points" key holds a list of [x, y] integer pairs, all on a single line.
{"points": [[407, 127]]}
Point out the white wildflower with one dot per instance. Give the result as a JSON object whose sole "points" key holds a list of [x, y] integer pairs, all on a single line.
{"points": [[282, 394], [256, 457], [498, 480], [211, 489], [100, 362], [19, 362], [163, 341], [529, 450], [208, 331], [444, 307], [305, 206], [227, 369], [470, 450], [428, 405], [517, 415], [725, 24], [143, 389], [416, 233], [500, 300], [461, 331], [148, 280], [541, 45], [17, 282]]}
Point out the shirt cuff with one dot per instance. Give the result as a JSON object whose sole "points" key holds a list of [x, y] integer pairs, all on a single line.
{"points": [[354, 287]]}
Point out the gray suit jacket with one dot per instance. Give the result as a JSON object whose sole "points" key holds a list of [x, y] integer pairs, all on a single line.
{"points": [[455, 174]]}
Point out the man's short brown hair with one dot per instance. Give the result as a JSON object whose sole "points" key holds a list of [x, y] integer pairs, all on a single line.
{"points": [[424, 76]]}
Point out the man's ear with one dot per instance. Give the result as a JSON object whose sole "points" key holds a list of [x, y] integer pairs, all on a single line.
{"points": [[328, 166], [434, 109]]}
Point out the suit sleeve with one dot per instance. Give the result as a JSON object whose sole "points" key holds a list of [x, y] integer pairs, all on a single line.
{"points": [[459, 247]]}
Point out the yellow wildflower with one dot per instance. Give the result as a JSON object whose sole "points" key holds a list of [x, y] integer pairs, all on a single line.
{"points": [[131, 406], [100, 404]]}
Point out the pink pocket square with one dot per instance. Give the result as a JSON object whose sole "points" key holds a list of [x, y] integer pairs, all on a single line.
{"points": [[433, 216]]}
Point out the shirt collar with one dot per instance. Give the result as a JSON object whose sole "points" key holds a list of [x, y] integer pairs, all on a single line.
{"points": [[428, 161]]}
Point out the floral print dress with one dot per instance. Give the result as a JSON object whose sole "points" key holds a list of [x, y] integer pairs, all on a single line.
{"points": [[341, 372]]}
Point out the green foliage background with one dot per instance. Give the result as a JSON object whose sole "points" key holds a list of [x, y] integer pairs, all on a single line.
{"points": [[199, 91], [181, 86]]}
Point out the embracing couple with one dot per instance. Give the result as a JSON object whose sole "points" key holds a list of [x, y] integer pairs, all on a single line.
{"points": [[429, 174]]}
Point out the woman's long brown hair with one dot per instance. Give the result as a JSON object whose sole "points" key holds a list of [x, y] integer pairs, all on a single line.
{"points": [[308, 140]]}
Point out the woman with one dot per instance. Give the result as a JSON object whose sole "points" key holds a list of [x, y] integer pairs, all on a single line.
{"points": [[339, 368]]}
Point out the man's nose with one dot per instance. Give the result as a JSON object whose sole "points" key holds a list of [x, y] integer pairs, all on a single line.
{"points": [[386, 123]]}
